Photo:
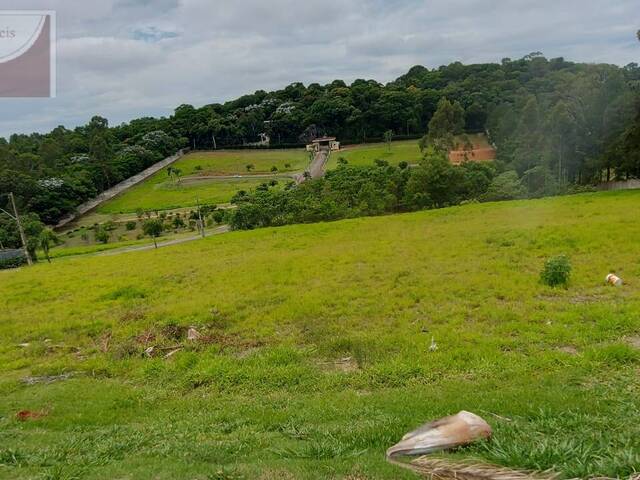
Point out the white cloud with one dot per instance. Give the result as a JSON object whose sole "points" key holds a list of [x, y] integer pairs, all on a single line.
{"points": [[129, 58]]}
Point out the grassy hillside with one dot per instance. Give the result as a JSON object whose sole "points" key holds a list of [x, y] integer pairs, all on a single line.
{"points": [[314, 350], [228, 162], [199, 171], [366, 154], [403, 150], [161, 193]]}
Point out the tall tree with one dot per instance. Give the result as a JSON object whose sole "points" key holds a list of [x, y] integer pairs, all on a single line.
{"points": [[447, 122]]}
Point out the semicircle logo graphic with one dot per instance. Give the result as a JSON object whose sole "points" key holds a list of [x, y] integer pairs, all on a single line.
{"points": [[27, 53], [19, 35]]}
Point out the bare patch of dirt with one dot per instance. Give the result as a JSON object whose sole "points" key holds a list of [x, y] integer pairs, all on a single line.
{"points": [[276, 475], [46, 379], [133, 314], [344, 365], [634, 341], [476, 155], [24, 415], [569, 350], [247, 352]]}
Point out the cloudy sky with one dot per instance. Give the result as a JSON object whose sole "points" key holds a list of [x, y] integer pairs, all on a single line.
{"points": [[128, 58]]}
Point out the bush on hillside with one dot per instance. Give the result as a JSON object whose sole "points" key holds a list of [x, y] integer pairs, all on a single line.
{"points": [[556, 271], [506, 186]]}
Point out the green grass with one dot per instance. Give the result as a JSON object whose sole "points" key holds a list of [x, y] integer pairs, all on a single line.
{"points": [[70, 251], [229, 162], [159, 193], [401, 151], [266, 393]]}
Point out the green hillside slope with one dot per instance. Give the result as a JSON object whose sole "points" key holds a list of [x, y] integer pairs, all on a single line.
{"points": [[314, 351], [207, 177]]}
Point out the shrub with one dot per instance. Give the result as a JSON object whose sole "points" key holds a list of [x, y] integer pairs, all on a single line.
{"points": [[505, 186], [219, 216], [178, 223], [556, 271], [102, 235], [110, 226], [131, 225]]}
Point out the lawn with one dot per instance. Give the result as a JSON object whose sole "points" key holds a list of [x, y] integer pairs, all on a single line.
{"points": [[229, 162], [314, 357], [366, 154], [161, 193], [400, 151]]}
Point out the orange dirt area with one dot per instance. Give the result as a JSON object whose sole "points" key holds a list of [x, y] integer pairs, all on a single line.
{"points": [[476, 155]]}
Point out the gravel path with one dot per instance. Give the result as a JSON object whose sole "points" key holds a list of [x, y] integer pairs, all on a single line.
{"points": [[168, 243]]}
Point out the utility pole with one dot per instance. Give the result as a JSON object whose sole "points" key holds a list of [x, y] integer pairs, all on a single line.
{"points": [[19, 223], [200, 218]]}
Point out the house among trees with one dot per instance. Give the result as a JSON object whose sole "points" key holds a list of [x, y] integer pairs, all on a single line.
{"points": [[323, 143]]}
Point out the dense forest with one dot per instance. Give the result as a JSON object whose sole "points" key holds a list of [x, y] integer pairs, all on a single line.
{"points": [[553, 122]]}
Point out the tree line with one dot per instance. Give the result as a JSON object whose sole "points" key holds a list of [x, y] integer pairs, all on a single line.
{"points": [[554, 123]]}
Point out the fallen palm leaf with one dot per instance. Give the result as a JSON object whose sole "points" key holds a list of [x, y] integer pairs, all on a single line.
{"points": [[441, 469], [442, 434], [451, 432]]}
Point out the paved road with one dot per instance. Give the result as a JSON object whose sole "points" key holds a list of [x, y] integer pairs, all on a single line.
{"points": [[118, 189], [317, 167]]}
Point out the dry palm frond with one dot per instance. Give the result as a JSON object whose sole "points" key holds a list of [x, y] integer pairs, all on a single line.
{"points": [[441, 469]]}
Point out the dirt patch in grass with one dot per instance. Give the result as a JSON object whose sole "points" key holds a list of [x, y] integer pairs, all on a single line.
{"points": [[634, 341], [344, 365], [569, 350], [574, 299], [133, 314], [25, 415], [477, 155]]}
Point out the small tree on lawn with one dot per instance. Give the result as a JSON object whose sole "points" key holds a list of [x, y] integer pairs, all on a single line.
{"points": [[274, 169], [174, 173], [153, 228], [101, 234], [388, 137], [250, 166], [47, 239]]}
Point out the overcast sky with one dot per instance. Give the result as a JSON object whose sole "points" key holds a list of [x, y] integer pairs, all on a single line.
{"points": [[124, 59]]}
